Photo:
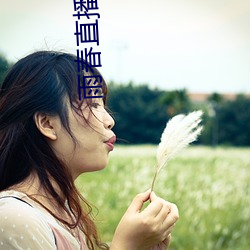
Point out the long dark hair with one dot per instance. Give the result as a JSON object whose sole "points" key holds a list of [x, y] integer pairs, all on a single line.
{"points": [[40, 82]]}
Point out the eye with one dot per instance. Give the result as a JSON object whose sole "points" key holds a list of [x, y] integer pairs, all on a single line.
{"points": [[95, 104]]}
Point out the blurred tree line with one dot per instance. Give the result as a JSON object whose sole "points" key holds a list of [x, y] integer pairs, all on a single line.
{"points": [[141, 113], [138, 111]]}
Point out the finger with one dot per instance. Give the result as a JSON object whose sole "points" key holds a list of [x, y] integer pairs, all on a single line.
{"points": [[160, 214], [153, 196], [169, 230], [138, 201], [155, 205], [172, 217], [167, 240], [154, 208], [165, 210]]}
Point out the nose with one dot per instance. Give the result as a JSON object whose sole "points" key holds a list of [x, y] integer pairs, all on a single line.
{"points": [[109, 122]]}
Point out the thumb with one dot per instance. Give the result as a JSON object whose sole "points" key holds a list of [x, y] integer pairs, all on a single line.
{"points": [[138, 201], [152, 196]]}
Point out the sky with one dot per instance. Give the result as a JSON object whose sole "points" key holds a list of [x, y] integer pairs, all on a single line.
{"points": [[200, 45]]}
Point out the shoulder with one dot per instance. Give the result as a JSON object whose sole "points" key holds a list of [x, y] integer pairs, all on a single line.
{"points": [[22, 227]]}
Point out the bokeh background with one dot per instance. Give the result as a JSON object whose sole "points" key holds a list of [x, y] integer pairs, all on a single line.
{"points": [[161, 58]]}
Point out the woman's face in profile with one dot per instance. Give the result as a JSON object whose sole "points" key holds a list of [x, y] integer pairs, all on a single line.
{"points": [[94, 140]]}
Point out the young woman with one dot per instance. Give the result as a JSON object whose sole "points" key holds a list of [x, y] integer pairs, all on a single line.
{"points": [[47, 139]]}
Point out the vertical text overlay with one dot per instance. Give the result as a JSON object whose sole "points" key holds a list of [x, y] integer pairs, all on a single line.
{"points": [[86, 14]]}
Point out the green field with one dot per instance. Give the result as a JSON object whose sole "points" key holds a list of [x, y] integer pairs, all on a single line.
{"points": [[211, 188]]}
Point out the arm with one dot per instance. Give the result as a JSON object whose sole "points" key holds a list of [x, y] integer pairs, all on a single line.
{"points": [[147, 229]]}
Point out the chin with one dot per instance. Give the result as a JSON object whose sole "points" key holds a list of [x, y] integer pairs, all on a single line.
{"points": [[97, 166], [89, 170], [100, 167]]}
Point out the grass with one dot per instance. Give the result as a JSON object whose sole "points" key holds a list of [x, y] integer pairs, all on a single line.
{"points": [[211, 188]]}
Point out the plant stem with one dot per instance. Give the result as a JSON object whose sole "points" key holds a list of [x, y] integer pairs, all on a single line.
{"points": [[153, 183]]}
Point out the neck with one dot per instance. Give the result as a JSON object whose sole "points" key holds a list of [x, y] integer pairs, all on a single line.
{"points": [[34, 189]]}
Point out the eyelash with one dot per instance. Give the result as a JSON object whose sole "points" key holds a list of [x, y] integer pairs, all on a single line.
{"points": [[95, 105]]}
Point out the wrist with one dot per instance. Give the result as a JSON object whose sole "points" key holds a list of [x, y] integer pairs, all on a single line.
{"points": [[123, 245], [119, 246]]}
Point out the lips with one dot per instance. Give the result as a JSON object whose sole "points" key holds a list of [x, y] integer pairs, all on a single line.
{"points": [[110, 142]]}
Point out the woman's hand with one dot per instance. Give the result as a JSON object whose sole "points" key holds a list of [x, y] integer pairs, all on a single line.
{"points": [[147, 229], [163, 245]]}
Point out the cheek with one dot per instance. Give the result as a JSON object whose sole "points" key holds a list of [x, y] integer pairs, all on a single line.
{"points": [[96, 115], [63, 145], [87, 126]]}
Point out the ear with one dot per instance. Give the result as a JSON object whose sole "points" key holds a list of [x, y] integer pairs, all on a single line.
{"points": [[46, 125]]}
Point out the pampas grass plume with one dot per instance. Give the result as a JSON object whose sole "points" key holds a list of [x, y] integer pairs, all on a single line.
{"points": [[179, 132]]}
